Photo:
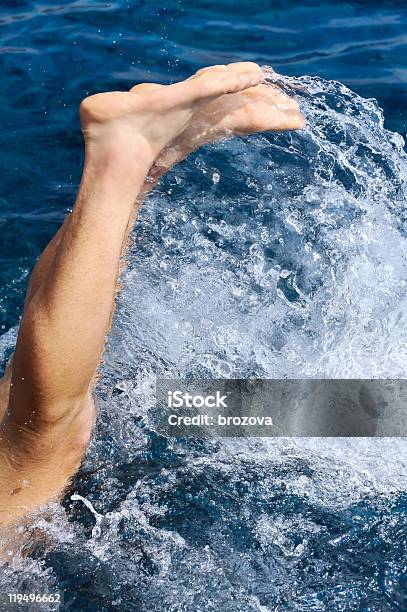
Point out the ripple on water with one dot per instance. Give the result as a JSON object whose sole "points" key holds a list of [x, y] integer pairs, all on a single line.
{"points": [[291, 262]]}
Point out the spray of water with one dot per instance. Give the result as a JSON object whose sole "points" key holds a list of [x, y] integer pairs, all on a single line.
{"points": [[274, 256]]}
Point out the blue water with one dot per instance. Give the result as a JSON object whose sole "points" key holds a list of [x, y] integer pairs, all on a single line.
{"points": [[300, 240]]}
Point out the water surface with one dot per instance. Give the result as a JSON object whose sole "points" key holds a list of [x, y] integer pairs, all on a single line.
{"points": [[277, 255]]}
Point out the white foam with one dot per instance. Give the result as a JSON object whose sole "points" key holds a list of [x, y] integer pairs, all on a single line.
{"points": [[280, 256]]}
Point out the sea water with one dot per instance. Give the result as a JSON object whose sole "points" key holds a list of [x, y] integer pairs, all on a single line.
{"points": [[278, 255]]}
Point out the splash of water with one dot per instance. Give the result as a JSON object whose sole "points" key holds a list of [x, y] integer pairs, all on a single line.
{"points": [[275, 256]]}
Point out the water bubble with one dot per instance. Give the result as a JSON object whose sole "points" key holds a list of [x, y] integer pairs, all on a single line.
{"points": [[293, 267]]}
